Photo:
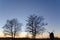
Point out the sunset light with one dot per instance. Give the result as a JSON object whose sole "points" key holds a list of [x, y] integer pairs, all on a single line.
{"points": [[30, 19]]}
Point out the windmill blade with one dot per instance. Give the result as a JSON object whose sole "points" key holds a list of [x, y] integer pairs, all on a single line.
{"points": [[48, 31], [53, 31]]}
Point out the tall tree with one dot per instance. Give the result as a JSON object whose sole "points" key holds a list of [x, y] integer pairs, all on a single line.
{"points": [[12, 28], [35, 25]]}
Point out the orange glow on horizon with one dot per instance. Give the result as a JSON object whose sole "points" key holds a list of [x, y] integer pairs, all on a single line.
{"points": [[23, 35]]}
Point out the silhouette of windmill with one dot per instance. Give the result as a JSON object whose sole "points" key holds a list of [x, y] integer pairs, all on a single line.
{"points": [[51, 35]]}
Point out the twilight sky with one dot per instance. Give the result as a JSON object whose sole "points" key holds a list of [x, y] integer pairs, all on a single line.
{"points": [[21, 9]]}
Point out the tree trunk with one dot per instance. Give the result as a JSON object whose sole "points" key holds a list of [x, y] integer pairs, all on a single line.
{"points": [[34, 36]]}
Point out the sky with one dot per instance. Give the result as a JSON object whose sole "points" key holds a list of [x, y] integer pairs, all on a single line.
{"points": [[21, 9]]}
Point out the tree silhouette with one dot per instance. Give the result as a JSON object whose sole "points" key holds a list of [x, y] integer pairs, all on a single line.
{"points": [[35, 25], [12, 28]]}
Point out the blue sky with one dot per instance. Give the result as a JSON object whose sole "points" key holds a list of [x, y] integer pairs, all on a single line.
{"points": [[21, 9]]}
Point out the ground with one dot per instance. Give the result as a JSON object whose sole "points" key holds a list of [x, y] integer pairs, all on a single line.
{"points": [[26, 39]]}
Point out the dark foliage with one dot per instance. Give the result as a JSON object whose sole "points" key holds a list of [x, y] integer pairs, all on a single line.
{"points": [[12, 27], [35, 25]]}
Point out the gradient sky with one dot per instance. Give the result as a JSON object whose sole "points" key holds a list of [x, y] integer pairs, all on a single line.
{"points": [[21, 9]]}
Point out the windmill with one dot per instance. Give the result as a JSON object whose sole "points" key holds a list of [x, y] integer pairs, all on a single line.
{"points": [[51, 35]]}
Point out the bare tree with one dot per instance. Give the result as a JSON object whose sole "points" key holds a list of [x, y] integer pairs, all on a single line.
{"points": [[12, 27], [35, 25]]}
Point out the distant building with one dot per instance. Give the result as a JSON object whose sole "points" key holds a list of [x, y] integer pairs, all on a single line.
{"points": [[51, 36]]}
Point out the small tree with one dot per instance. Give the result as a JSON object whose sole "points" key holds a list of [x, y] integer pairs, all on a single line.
{"points": [[35, 25], [12, 27]]}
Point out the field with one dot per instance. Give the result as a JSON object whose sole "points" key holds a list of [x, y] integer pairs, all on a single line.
{"points": [[26, 39]]}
